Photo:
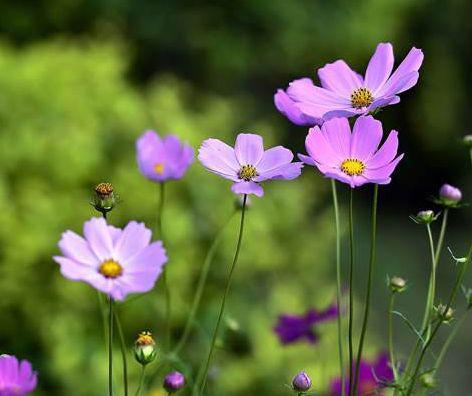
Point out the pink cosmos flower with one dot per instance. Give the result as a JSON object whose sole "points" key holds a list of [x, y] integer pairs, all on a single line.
{"points": [[162, 159], [16, 378], [352, 158], [247, 164], [345, 93], [114, 261]]}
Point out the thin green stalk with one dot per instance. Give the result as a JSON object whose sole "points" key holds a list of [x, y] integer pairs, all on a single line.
{"points": [[432, 283], [223, 302], [123, 353], [201, 285], [351, 291], [110, 346], [369, 287], [439, 323], [141, 380], [338, 285], [393, 364]]}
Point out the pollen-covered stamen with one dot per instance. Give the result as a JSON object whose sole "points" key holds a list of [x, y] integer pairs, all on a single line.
{"points": [[361, 97], [247, 172], [111, 269], [145, 338], [159, 168], [352, 167]]}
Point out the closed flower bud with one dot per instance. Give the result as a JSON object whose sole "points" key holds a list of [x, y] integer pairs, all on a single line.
{"points": [[445, 314], [104, 199], [449, 195], [145, 350], [301, 382], [428, 380], [173, 382], [424, 217], [467, 140], [397, 284]]}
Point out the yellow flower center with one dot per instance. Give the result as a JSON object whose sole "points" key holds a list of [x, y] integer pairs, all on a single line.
{"points": [[352, 167], [145, 338], [361, 97], [159, 169], [247, 172], [110, 269]]}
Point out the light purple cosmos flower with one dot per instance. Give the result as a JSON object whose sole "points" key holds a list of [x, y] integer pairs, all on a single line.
{"points": [[248, 164], [116, 262], [345, 93], [16, 378], [293, 328], [372, 378], [162, 159], [352, 158]]}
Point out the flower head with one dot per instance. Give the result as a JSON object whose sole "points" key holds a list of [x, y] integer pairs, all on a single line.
{"points": [[174, 381], [114, 261], [353, 158], [449, 195], [301, 382], [247, 164], [372, 378], [425, 217], [293, 328], [104, 198], [345, 93], [17, 378], [162, 159], [145, 350]]}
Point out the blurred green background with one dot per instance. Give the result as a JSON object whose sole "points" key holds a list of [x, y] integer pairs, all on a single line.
{"points": [[81, 79]]}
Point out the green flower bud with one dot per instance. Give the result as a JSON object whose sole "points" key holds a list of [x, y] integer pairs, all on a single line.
{"points": [[424, 217], [104, 199], [145, 350], [467, 140], [445, 314], [428, 380], [397, 284]]}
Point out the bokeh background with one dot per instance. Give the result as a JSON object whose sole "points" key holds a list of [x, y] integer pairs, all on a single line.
{"points": [[81, 79]]}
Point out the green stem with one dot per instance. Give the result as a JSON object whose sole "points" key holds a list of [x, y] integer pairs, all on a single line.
{"points": [[369, 287], [110, 346], [432, 284], [439, 323], [141, 380], [351, 291], [123, 353], [223, 302], [338, 285], [393, 364], [201, 285]]}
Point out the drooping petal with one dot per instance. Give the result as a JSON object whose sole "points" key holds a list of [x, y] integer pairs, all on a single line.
{"points": [[76, 248], [340, 78], [379, 68], [274, 158], [287, 107], [288, 171], [366, 137], [337, 133], [247, 187], [98, 237], [249, 148], [133, 239], [219, 158], [386, 153]]}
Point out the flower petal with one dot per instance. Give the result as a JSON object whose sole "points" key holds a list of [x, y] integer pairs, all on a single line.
{"points": [[247, 187], [288, 171], [151, 258], [287, 107], [98, 236], [273, 158], [249, 148], [133, 239], [73, 270], [319, 148], [386, 153], [337, 133], [306, 159], [219, 158], [366, 137], [379, 68], [340, 78], [76, 248], [384, 101], [149, 152], [382, 175]]}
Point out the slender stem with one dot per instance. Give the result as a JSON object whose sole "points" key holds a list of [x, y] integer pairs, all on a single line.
{"points": [[393, 364], [338, 286], [110, 346], [439, 323], [141, 380], [432, 283], [351, 291], [470, 153], [201, 285], [223, 302], [369, 286], [123, 352]]}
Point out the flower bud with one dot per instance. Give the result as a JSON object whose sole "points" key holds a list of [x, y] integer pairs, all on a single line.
{"points": [[145, 350], [445, 314], [397, 284], [449, 195], [467, 140], [174, 381], [301, 382], [428, 380], [424, 217], [104, 199]]}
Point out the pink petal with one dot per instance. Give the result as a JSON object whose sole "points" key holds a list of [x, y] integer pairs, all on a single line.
{"points": [[382, 175], [307, 160], [73, 270], [133, 239], [98, 237], [219, 158], [340, 78], [337, 133], [247, 187], [273, 158], [384, 101], [386, 153], [151, 258], [288, 171], [287, 107], [379, 68], [249, 148], [366, 137], [76, 248], [402, 84], [319, 148], [304, 91]]}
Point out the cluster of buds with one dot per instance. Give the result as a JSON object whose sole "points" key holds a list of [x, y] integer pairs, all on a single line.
{"points": [[301, 383], [444, 313], [173, 382], [104, 199], [397, 284], [145, 350]]}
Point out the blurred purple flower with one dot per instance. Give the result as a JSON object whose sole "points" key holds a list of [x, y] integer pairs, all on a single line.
{"points": [[162, 159], [174, 381], [345, 93], [247, 164], [116, 262], [352, 158], [450, 194], [372, 378], [17, 378], [293, 328]]}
